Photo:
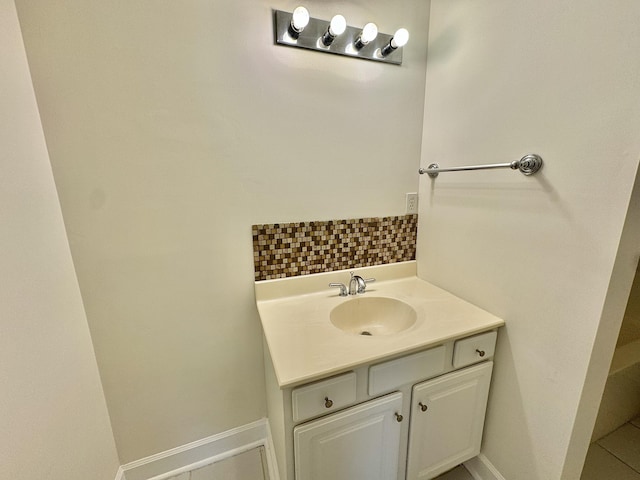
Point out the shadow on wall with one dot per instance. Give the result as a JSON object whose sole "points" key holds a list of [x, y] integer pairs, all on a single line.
{"points": [[630, 329], [506, 364], [443, 46], [497, 196]]}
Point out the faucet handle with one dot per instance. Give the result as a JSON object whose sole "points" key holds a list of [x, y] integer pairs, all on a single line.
{"points": [[341, 286], [362, 284]]}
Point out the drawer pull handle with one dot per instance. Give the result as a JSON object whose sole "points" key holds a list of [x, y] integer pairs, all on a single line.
{"points": [[328, 403], [422, 406], [399, 417], [480, 352]]}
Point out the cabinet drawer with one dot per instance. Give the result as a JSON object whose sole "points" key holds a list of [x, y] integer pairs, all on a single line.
{"points": [[474, 349], [323, 397], [388, 376]]}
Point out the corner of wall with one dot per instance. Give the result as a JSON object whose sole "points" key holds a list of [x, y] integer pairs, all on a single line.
{"points": [[200, 453], [622, 277], [481, 468], [120, 474]]}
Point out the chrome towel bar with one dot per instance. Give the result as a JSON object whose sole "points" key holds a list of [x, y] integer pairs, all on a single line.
{"points": [[528, 165]]}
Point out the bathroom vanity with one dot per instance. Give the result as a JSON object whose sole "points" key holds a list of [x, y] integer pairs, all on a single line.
{"points": [[369, 399]]}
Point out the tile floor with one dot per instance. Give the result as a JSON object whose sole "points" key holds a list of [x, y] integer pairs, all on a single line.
{"points": [[458, 473], [615, 456]]}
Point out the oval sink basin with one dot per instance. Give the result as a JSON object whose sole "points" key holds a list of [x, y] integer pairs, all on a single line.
{"points": [[373, 316]]}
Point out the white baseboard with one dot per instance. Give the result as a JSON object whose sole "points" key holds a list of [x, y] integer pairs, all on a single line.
{"points": [[481, 468], [272, 461], [120, 474], [191, 456]]}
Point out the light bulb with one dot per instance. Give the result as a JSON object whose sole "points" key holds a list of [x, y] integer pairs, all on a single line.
{"points": [[299, 19], [337, 26], [400, 38], [369, 32]]}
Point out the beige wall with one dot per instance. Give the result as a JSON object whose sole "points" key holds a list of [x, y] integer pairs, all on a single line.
{"points": [[174, 126], [53, 418], [505, 79]]}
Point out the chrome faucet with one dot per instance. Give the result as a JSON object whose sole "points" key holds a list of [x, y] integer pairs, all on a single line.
{"points": [[357, 285]]}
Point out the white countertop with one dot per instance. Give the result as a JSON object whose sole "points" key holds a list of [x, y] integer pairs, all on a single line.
{"points": [[304, 345]]}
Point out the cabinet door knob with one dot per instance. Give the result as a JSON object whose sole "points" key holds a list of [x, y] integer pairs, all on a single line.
{"points": [[422, 406], [399, 417], [328, 403], [480, 352]]}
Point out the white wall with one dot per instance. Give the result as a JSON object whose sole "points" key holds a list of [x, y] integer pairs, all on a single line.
{"points": [[53, 418], [557, 78], [172, 128], [618, 295]]}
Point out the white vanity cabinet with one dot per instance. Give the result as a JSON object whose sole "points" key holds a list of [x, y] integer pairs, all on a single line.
{"points": [[335, 395], [447, 417], [408, 417]]}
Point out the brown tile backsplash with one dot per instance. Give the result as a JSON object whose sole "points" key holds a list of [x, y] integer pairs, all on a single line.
{"points": [[290, 249]]}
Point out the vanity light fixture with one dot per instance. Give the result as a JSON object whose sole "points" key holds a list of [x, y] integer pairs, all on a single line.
{"points": [[298, 29], [337, 26], [299, 20], [369, 33], [399, 39]]}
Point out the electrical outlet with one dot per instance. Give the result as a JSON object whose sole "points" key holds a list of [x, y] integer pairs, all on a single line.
{"points": [[412, 203]]}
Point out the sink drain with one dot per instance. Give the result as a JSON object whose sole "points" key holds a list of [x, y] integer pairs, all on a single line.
{"points": [[365, 333]]}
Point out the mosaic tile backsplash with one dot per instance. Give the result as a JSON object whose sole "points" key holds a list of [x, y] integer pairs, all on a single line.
{"points": [[290, 249]]}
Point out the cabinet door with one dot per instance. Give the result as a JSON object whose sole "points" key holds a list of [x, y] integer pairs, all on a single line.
{"points": [[447, 417], [360, 443]]}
